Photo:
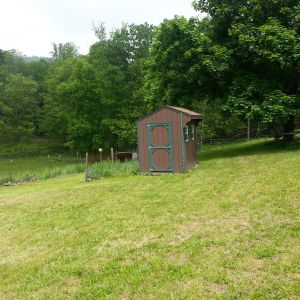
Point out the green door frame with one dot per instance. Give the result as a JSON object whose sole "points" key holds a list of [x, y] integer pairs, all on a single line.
{"points": [[152, 147]]}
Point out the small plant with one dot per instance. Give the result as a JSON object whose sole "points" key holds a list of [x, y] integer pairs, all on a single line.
{"points": [[265, 251]]}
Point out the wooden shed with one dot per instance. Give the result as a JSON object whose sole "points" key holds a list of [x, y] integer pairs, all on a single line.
{"points": [[167, 140]]}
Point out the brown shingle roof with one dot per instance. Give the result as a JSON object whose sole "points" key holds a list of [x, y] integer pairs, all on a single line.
{"points": [[186, 111], [192, 114]]}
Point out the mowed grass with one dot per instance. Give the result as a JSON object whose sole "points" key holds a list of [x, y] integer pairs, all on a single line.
{"points": [[230, 229]]}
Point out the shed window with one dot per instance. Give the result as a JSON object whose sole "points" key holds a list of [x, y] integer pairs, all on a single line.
{"points": [[186, 133], [192, 132]]}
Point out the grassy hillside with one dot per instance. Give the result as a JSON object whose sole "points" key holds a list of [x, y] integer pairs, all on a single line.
{"points": [[33, 164], [31, 147], [230, 229], [40, 156]]}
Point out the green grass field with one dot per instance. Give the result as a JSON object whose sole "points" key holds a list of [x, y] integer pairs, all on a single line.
{"points": [[33, 164], [230, 229], [41, 157]]}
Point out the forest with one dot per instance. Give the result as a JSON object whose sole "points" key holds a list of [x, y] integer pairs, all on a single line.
{"points": [[239, 64]]}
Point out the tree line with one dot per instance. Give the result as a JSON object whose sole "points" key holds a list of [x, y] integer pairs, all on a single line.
{"points": [[240, 63]]}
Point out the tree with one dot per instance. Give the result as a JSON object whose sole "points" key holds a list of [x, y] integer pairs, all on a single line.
{"points": [[11, 62], [263, 39], [19, 108], [185, 66], [71, 110], [118, 62], [64, 50]]}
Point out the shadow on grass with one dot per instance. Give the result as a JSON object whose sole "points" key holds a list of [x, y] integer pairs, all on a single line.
{"points": [[237, 149]]}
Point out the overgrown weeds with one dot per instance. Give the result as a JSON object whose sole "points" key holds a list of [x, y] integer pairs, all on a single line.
{"points": [[47, 173], [95, 171], [113, 169]]}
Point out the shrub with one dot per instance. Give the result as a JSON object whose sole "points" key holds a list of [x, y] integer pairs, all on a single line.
{"points": [[113, 169]]}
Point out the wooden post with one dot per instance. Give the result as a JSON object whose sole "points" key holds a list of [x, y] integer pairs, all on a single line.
{"points": [[86, 165], [112, 153], [249, 130], [49, 166], [100, 154], [11, 170]]}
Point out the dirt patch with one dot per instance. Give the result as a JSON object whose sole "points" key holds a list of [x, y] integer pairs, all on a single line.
{"points": [[218, 288], [184, 232], [179, 259]]}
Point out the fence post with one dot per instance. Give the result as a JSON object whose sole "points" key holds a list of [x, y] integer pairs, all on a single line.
{"points": [[100, 154], [249, 130], [86, 165], [11, 170], [112, 153]]}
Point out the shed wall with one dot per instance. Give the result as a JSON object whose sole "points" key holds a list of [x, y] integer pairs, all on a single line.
{"points": [[190, 147], [164, 115]]}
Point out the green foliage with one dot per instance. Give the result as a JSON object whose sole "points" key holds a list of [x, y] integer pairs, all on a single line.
{"points": [[241, 62], [263, 37], [218, 124], [113, 169], [185, 65], [118, 62], [71, 108], [64, 50], [19, 105]]}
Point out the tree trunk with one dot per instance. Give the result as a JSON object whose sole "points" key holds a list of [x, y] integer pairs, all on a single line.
{"points": [[289, 130]]}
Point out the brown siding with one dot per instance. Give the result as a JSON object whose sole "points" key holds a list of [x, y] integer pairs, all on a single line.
{"points": [[164, 115], [190, 147]]}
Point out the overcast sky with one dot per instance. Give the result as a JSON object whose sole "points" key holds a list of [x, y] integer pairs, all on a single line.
{"points": [[31, 26]]}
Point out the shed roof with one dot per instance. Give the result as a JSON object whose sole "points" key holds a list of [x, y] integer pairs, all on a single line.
{"points": [[187, 112], [191, 114]]}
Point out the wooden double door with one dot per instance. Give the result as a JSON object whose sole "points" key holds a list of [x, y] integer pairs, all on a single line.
{"points": [[160, 147]]}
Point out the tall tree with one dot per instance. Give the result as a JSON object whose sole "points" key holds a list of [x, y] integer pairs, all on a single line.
{"points": [[118, 61], [64, 50], [185, 66], [263, 39], [19, 107], [71, 110]]}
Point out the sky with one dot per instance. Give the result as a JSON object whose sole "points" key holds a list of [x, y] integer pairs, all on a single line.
{"points": [[31, 26]]}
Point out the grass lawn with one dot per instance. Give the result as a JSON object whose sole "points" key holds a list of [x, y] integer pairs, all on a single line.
{"points": [[230, 229]]}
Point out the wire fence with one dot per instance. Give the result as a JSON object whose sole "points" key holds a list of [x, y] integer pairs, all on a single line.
{"points": [[253, 133]]}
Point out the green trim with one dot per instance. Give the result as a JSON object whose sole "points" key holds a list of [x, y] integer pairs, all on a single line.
{"points": [[182, 143], [152, 147]]}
